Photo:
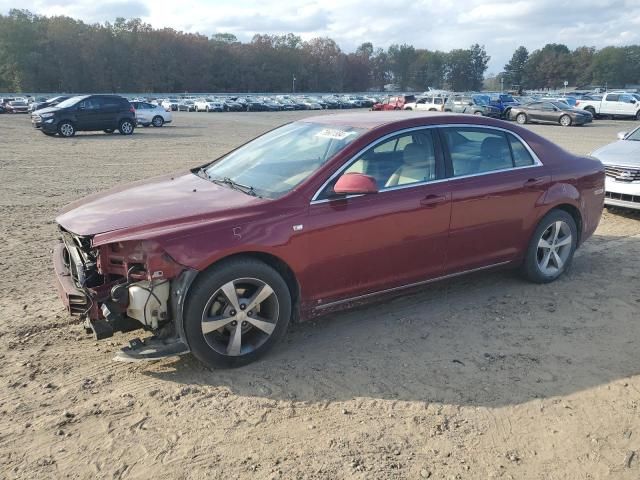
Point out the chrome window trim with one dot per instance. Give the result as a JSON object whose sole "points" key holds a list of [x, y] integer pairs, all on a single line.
{"points": [[409, 285], [536, 161]]}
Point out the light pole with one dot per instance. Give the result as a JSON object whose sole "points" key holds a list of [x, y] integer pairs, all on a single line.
{"points": [[293, 83], [501, 84], [565, 87]]}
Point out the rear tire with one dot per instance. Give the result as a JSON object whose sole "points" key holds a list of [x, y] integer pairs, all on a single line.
{"points": [[551, 247], [126, 127], [209, 308]]}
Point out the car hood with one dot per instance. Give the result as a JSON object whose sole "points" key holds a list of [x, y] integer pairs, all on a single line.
{"points": [[154, 204], [47, 110], [622, 152]]}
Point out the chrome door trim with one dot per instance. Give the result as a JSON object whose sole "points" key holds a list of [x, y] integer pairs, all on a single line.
{"points": [[410, 285], [348, 163]]}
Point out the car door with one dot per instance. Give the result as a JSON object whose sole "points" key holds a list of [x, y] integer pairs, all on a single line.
{"points": [[496, 184], [144, 112], [88, 114], [610, 104], [366, 243], [549, 113]]}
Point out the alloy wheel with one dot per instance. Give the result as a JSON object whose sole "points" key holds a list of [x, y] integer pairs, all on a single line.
{"points": [[126, 128], [67, 130], [554, 247], [240, 316]]}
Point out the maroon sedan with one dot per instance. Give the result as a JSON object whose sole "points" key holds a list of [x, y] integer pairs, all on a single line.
{"points": [[318, 215]]}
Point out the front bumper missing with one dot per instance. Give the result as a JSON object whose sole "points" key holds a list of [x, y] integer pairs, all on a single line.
{"points": [[79, 303]]}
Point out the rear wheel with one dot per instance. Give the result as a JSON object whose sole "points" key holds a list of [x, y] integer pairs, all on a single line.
{"points": [[235, 312], [565, 120], [521, 118], [66, 129], [477, 113], [157, 121], [126, 127], [551, 247], [592, 111], [638, 115]]}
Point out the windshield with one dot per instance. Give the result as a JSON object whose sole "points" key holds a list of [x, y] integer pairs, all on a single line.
{"points": [[278, 161], [635, 135], [70, 102]]}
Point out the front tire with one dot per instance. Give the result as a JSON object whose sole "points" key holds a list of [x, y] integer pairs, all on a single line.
{"points": [[126, 127], [157, 121], [565, 120], [551, 247], [521, 118], [236, 312], [66, 129]]}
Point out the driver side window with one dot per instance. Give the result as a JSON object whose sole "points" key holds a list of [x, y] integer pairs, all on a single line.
{"points": [[405, 159]]}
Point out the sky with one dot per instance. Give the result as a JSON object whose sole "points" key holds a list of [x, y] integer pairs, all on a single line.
{"points": [[500, 25]]}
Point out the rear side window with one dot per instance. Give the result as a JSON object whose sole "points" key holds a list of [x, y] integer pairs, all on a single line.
{"points": [[521, 156], [477, 150]]}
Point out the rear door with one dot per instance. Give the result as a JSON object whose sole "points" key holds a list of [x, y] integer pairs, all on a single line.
{"points": [[496, 183], [610, 104]]}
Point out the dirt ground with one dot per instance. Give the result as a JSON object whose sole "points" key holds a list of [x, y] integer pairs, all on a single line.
{"points": [[480, 377]]}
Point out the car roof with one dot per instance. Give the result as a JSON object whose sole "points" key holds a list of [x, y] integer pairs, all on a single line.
{"points": [[370, 120]]}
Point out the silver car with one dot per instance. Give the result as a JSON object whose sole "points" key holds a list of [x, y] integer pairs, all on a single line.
{"points": [[621, 161], [150, 114]]}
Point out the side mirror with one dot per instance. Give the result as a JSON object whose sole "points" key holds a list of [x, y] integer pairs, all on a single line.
{"points": [[470, 104], [355, 183], [621, 135]]}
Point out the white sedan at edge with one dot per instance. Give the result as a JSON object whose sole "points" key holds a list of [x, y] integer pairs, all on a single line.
{"points": [[621, 162], [150, 114]]}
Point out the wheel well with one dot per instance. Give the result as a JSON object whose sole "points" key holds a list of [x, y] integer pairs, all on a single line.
{"points": [[575, 213], [279, 266]]}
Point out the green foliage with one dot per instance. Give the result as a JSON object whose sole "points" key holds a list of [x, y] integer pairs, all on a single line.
{"points": [[514, 70], [554, 64]]}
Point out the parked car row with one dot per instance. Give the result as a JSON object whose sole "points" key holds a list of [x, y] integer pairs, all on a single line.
{"points": [[262, 104]]}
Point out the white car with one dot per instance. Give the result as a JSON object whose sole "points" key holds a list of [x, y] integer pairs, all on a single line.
{"points": [[209, 105], [170, 104], [150, 114], [429, 104], [621, 162]]}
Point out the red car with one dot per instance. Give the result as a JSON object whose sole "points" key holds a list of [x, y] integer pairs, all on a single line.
{"points": [[319, 215], [394, 103]]}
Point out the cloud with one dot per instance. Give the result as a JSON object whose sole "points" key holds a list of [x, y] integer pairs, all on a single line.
{"points": [[500, 25]]}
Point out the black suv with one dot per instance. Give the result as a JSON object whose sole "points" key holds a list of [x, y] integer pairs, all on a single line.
{"points": [[86, 113]]}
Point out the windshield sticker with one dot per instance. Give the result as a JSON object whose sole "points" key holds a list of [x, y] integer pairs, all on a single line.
{"points": [[333, 134]]}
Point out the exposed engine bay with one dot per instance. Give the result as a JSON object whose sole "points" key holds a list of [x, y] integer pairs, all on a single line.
{"points": [[118, 287]]}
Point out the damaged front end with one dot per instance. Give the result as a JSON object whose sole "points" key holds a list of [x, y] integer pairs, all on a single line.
{"points": [[124, 286]]}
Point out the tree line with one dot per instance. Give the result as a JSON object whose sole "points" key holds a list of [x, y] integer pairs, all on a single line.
{"points": [[552, 65], [62, 54]]}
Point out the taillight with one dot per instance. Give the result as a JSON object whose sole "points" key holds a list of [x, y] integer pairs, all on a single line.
{"points": [[577, 102]]}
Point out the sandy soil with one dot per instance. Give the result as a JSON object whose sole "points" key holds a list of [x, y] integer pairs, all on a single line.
{"points": [[481, 377]]}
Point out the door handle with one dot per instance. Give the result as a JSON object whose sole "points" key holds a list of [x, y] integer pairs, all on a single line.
{"points": [[532, 182], [432, 200]]}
